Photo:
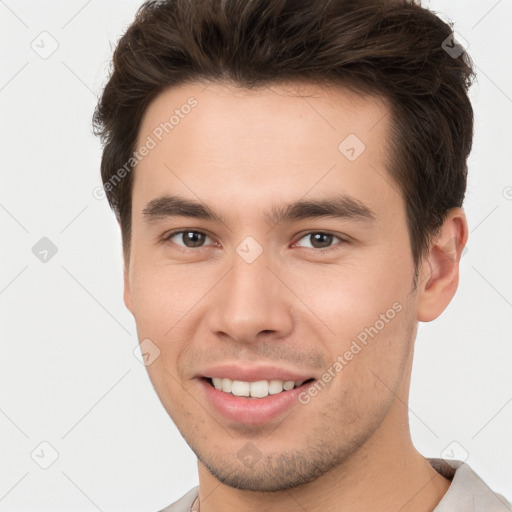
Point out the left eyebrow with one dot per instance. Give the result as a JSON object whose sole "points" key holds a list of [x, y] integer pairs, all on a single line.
{"points": [[339, 207]]}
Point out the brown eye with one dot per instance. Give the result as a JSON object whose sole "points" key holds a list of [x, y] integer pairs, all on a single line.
{"points": [[188, 239], [320, 239]]}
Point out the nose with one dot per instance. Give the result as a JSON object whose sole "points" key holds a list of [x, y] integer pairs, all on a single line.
{"points": [[251, 302]]}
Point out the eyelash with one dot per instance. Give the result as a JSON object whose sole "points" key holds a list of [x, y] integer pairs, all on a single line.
{"points": [[167, 238]]}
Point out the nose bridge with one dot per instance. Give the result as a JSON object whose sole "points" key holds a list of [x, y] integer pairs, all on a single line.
{"points": [[250, 299]]}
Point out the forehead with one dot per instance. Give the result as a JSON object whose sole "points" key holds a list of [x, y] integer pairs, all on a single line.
{"points": [[246, 147]]}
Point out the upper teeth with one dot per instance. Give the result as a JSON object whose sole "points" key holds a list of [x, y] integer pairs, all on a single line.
{"points": [[259, 389]]}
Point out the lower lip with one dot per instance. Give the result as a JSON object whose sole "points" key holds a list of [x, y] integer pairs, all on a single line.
{"points": [[253, 411]]}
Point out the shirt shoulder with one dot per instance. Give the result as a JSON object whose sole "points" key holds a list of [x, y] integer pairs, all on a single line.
{"points": [[467, 492], [184, 504]]}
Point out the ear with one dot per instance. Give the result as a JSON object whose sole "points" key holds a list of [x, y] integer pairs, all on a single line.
{"points": [[127, 296], [439, 270]]}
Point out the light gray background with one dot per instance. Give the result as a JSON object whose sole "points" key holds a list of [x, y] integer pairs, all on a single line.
{"points": [[68, 374]]}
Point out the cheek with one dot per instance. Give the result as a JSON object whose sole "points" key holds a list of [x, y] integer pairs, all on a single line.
{"points": [[165, 302], [162, 296], [349, 300], [369, 314], [368, 366]]}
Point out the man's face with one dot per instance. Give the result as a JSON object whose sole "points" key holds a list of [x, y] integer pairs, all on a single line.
{"points": [[255, 296]]}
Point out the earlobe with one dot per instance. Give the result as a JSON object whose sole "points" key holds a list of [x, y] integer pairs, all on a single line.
{"points": [[127, 292], [439, 270]]}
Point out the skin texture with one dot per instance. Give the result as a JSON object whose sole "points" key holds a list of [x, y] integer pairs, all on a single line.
{"points": [[298, 306]]}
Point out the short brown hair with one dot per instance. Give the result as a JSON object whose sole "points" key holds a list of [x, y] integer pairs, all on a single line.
{"points": [[391, 48]]}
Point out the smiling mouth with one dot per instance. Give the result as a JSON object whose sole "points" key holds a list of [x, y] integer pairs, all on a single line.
{"points": [[257, 389]]}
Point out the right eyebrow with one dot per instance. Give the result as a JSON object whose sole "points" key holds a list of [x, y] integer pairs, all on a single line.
{"points": [[174, 206]]}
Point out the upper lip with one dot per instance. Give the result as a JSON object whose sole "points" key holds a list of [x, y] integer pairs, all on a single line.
{"points": [[252, 372]]}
